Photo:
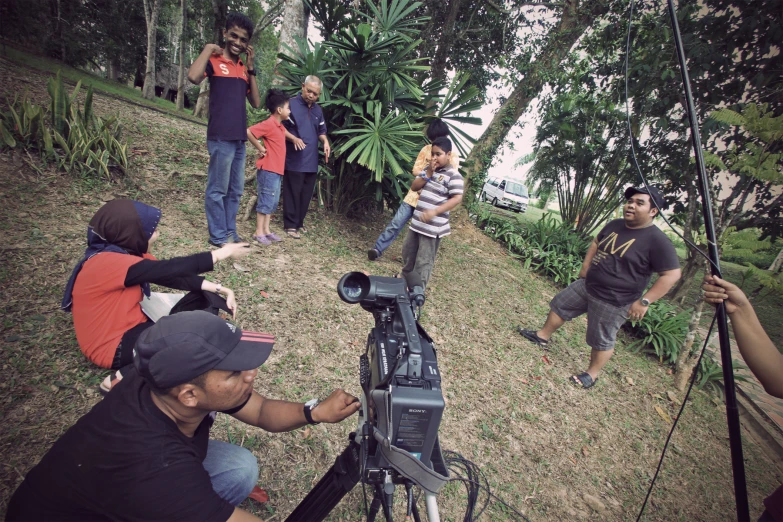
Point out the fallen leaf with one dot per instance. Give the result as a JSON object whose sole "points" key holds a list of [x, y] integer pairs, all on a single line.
{"points": [[241, 268], [263, 294], [673, 397], [259, 495], [584, 450], [629, 381], [537, 378], [523, 381], [669, 371], [307, 433], [663, 414], [546, 359], [573, 460]]}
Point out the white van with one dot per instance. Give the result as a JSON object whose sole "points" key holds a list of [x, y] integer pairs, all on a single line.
{"points": [[505, 192]]}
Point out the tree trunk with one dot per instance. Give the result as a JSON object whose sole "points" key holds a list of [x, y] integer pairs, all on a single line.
{"points": [[438, 63], [113, 68], [777, 263], [151, 13], [202, 104], [573, 23], [685, 363], [181, 74], [692, 258], [293, 25]]}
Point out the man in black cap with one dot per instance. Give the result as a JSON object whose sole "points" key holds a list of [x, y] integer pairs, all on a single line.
{"points": [[611, 285], [143, 452]]}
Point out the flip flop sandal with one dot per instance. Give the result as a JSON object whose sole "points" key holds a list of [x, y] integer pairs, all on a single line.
{"points": [[583, 379], [531, 335], [291, 232]]}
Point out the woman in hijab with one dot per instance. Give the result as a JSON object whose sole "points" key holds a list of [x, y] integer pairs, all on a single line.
{"points": [[107, 286]]}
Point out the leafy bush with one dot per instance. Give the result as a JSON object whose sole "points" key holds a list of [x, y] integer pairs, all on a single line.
{"points": [[661, 331], [76, 140], [548, 246]]}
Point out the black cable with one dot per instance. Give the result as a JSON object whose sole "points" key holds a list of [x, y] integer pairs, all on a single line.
{"points": [[633, 149], [475, 482], [677, 419]]}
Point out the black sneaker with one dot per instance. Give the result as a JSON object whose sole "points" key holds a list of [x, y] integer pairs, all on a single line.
{"points": [[216, 245], [373, 254], [238, 239]]}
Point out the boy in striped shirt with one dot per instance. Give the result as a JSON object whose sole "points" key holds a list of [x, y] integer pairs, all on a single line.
{"points": [[441, 191]]}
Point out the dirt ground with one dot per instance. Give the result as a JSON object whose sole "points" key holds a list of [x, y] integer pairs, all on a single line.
{"points": [[550, 450]]}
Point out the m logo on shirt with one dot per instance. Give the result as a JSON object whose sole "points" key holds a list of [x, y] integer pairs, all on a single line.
{"points": [[224, 69], [609, 244]]}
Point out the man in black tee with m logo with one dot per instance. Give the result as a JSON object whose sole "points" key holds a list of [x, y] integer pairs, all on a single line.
{"points": [[612, 282]]}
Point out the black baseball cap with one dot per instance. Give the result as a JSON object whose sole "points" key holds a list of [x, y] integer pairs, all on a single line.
{"points": [[182, 346], [655, 196]]}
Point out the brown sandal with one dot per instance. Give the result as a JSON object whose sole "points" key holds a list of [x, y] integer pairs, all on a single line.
{"points": [[293, 233]]}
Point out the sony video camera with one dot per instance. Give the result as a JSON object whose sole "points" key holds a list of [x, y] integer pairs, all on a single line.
{"points": [[399, 373]]}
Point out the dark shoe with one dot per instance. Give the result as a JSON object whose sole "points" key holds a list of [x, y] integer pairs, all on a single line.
{"points": [[583, 379], [531, 335], [238, 239], [216, 245], [373, 254]]}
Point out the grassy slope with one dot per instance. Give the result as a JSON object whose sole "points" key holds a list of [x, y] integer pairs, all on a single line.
{"points": [[542, 444]]}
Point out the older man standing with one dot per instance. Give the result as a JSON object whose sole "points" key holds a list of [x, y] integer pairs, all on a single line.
{"points": [[612, 282], [306, 127]]}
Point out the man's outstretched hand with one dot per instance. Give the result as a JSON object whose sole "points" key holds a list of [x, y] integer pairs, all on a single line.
{"points": [[336, 407]]}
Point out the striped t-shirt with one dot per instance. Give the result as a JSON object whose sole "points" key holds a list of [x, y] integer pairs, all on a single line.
{"points": [[445, 183]]}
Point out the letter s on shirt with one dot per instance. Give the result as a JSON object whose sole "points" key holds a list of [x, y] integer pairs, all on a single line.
{"points": [[224, 69]]}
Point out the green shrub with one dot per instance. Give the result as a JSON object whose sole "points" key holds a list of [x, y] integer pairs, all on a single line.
{"points": [[661, 331], [76, 140], [547, 246]]}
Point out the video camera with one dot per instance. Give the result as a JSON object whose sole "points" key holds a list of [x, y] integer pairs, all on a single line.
{"points": [[396, 441], [399, 370]]}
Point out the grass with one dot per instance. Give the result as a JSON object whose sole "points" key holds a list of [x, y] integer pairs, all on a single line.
{"points": [[542, 444], [99, 84]]}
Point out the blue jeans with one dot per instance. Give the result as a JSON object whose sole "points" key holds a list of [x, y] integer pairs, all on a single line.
{"points": [[268, 188], [233, 471], [225, 184], [403, 215]]}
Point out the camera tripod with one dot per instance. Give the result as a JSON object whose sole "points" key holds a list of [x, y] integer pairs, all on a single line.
{"points": [[349, 469]]}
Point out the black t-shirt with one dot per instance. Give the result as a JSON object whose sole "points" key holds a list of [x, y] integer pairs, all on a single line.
{"points": [[626, 258], [124, 460]]}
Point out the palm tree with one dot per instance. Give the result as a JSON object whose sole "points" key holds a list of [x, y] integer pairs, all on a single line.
{"points": [[375, 106]]}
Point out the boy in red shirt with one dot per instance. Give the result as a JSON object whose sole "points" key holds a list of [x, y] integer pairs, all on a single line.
{"points": [[270, 163]]}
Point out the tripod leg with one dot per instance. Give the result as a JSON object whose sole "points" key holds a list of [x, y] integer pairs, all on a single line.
{"points": [[432, 507], [339, 480], [375, 505]]}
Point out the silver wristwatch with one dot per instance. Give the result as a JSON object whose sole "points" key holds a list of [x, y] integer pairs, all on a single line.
{"points": [[309, 406], [645, 301]]}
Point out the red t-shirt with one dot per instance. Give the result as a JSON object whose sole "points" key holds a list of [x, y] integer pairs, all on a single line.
{"points": [[103, 308], [273, 134]]}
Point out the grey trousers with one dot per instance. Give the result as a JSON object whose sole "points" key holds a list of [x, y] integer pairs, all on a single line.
{"points": [[418, 258]]}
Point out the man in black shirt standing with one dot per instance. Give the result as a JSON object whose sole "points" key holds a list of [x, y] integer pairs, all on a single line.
{"points": [[612, 282], [144, 453]]}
